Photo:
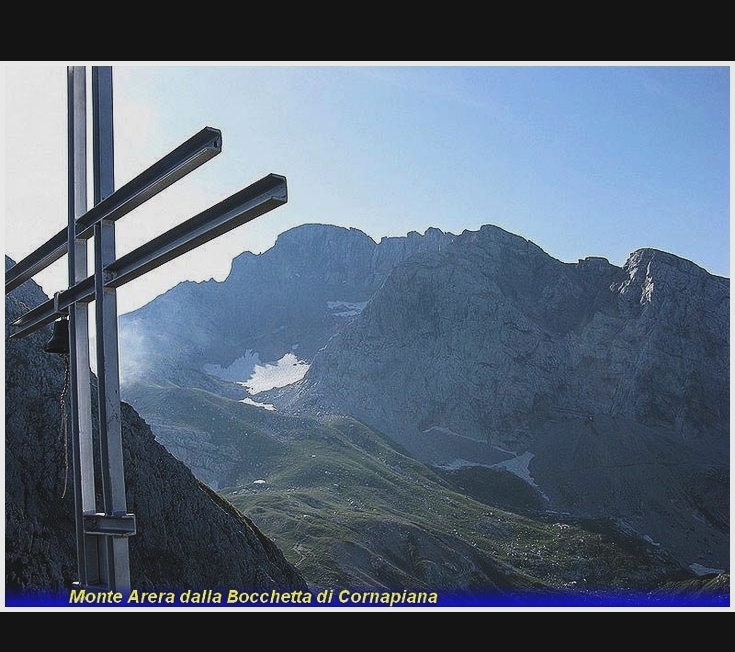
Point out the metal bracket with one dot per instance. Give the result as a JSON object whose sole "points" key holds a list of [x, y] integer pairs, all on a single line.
{"points": [[115, 525], [57, 311]]}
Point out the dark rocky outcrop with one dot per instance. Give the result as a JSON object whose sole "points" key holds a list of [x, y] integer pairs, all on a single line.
{"points": [[188, 536]]}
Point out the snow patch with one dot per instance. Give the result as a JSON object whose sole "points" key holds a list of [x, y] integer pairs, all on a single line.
{"points": [[265, 406], [703, 570], [346, 308], [519, 466], [256, 376], [288, 370]]}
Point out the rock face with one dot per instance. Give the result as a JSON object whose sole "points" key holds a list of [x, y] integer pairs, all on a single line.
{"points": [[188, 536], [606, 388], [492, 330]]}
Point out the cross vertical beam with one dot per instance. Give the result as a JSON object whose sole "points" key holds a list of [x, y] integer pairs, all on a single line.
{"points": [[79, 371], [115, 565]]}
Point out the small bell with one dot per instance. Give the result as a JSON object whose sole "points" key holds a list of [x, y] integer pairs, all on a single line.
{"points": [[59, 342]]}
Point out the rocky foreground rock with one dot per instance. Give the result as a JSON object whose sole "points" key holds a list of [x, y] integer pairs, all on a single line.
{"points": [[188, 536]]}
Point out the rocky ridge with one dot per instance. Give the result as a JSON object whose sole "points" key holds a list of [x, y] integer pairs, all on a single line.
{"points": [[603, 388]]}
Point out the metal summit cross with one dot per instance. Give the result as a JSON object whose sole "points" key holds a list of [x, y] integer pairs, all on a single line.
{"points": [[102, 530]]}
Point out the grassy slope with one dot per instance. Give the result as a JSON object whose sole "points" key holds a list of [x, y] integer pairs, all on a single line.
{"points": [[349, 508]]}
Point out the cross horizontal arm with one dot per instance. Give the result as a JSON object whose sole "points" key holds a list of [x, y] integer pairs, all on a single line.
{"points": [[176, 164], [40, 259], [247, 204], [260, 197]]}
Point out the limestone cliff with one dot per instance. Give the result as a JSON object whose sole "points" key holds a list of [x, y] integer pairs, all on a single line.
{"points": [[605, 388]]}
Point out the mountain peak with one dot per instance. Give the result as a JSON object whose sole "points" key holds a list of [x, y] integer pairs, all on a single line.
{"points": [[648, 257], [314, 233]]}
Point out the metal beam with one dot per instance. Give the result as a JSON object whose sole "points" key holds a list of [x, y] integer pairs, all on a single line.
{"points": [[247, 204], [176, 164], [45, 313], [114, 553], [80, 375], [255, 200], [40, 259]]}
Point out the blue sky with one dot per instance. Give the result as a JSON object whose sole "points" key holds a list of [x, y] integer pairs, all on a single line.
{"points": [[584, 160]]}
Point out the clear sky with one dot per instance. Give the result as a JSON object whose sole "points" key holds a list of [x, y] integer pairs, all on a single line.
{"points": [[582, 159]]}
